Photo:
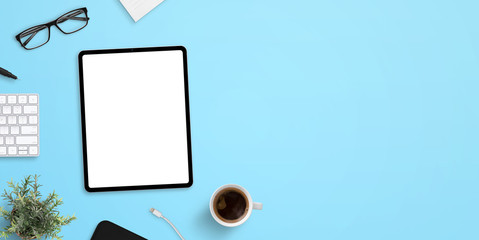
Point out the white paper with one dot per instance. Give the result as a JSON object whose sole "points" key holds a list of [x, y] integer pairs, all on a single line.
{"points": [[139, 8]]}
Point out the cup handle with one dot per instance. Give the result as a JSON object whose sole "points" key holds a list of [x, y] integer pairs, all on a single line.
{"points": [[257, 206]]}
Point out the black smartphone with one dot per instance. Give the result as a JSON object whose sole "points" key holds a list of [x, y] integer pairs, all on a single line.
{"points": [[107, 230]]}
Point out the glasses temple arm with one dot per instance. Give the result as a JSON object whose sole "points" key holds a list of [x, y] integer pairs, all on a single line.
{"points": [[30, 31], [72, 16], [29, 39]]}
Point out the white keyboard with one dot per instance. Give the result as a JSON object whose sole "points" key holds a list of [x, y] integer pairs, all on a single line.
{"points": [[19, 125]]}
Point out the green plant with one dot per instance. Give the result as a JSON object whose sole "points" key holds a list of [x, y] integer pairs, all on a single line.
{"points": [[30, 217]]}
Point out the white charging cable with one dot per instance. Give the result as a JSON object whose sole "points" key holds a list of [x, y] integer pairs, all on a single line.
{"points": [[158, 214]]}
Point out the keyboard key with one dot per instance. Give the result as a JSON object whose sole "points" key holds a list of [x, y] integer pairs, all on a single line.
{"points": [[22, 152], [7, 110], [9, 140], [29, 130], [27, 140], [22, 148], [22, 120], [1, 140], [33, 150], [22, 99], [3, 150], [3, 120], [15, 130], [12, 99], [4, 130], [3, 99], [12, 150], [12, 119], [30, 109], [17, 109], [32, 119], [32, 99]]}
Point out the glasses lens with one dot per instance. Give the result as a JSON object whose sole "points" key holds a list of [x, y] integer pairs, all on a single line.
{"points": [[72, 21], [35, 37]]}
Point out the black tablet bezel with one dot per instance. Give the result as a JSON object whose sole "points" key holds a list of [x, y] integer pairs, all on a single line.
{"points": [[83, 122]]}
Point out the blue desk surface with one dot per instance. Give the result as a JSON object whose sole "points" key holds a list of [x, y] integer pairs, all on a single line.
{"points": [[347, 119]]}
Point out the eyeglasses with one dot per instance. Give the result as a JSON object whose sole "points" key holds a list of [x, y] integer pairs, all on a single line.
{"points": [[68, 23]]}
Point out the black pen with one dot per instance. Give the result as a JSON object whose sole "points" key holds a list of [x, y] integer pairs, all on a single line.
{"points": [[7, 73]]}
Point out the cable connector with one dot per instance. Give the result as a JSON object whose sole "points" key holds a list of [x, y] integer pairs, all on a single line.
{"points": [[156, 212], [160, 215]]}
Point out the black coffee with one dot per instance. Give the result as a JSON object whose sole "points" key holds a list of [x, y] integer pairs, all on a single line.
{"points": [[231, 205]]}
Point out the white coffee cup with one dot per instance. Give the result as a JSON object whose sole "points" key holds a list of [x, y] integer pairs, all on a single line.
{"points": [[250, 205]]}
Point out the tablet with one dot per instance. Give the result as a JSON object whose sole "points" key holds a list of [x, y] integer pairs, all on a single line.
{"points": [[135, 119]]}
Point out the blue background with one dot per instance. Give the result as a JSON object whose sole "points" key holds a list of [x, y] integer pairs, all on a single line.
{"points": [[347, 119]]}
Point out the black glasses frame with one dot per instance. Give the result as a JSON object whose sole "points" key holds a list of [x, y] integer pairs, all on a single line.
{"points": [[33, 30]]}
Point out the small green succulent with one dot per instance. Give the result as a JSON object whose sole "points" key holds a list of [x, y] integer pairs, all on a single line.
{"points": [[30, 217]]}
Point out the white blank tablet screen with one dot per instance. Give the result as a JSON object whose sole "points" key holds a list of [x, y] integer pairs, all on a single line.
{"points": [[135, 119]]}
